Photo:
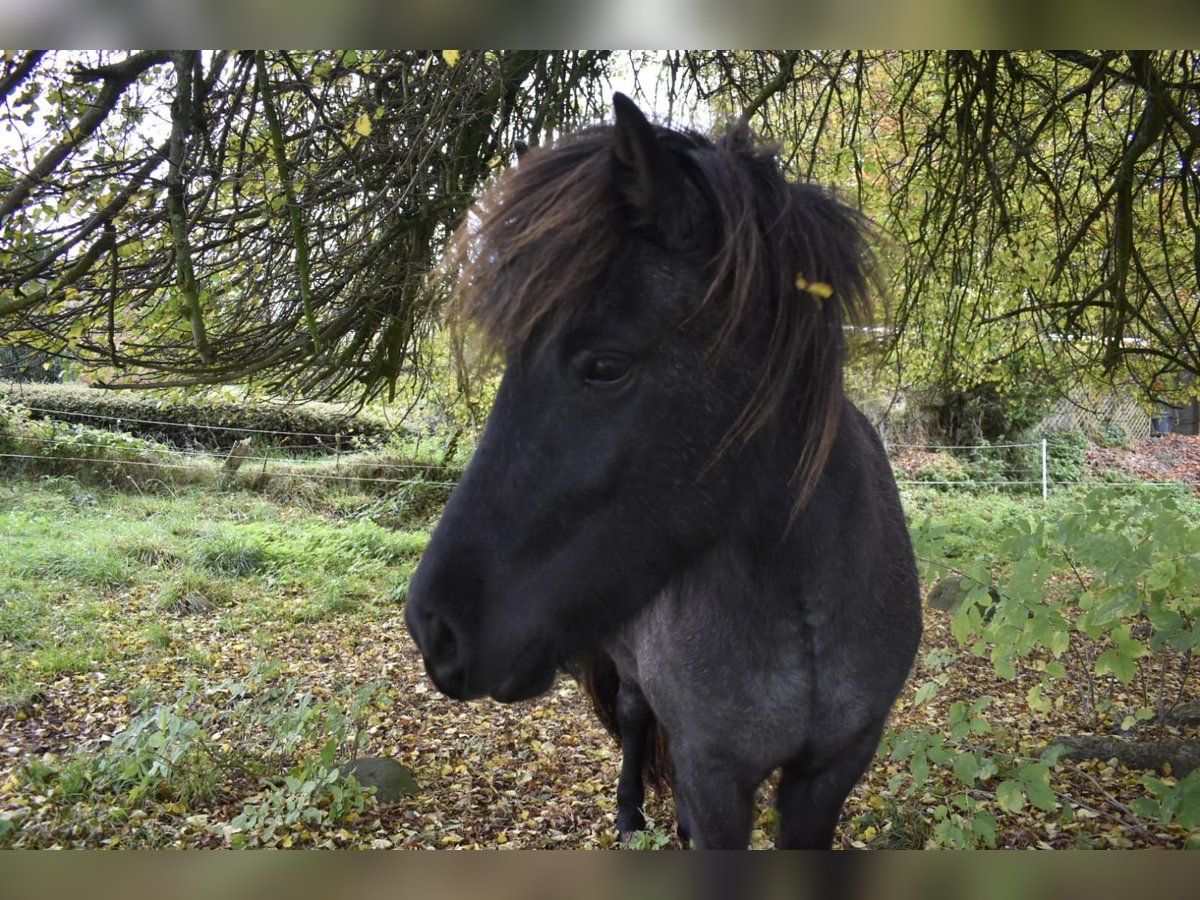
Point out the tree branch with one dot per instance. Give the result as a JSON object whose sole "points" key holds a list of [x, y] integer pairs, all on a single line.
{"points": [[181, 123], [19, 72], [299, 240], [787, 65], [116, 80]]}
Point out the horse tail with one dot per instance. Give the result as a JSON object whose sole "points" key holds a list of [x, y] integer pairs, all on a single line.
{"points": [[598, 677]]}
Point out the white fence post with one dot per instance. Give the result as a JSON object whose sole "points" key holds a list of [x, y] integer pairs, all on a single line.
{"points": [[1045, 469]]}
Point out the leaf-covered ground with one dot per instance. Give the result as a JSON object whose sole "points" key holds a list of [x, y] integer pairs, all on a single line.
{"points": [[90, 645], [1168, 457]]}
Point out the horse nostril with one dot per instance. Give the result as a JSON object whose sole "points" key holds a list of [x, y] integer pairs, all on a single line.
{"points": [[441, 642]]}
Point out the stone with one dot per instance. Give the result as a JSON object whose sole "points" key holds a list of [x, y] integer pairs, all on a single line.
{"points": [[948, 593], [391, 780]]}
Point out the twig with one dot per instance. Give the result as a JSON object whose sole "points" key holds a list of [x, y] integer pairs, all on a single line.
{"points": [[1132, 818]]}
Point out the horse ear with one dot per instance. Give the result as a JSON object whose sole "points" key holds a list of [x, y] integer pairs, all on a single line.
{"points": [[653, 181]]}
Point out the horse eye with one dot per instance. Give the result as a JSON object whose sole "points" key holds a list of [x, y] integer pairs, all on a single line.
{"points": [[606, 369]]}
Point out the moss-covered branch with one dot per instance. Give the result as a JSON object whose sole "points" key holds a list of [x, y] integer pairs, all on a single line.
{"points": [[181, 118], [299, 239]]}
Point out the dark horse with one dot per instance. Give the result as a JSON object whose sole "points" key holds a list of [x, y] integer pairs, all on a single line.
{"points": [[671, 477]]}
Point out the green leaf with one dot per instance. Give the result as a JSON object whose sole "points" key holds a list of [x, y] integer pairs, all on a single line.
{"points": [[1010, 797], [1129, 646], [1118, 664], [1035, 699], [1118, 604], [1162, 575], [984, 826], [942, 755], [1145, 807], [918, 768], [1004, 660], [926, 692], [1036, 778], [1060, 642], [966, 768]]}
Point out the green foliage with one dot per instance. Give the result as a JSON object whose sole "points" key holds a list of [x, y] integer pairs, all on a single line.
{"points": [[1098, 587], [945, 772], [312, 794], [251, 727], [415, 487], [1111, 434], [1072, 559], [1066, 455], [1170, 799], [652, 837], [34, 447], [211, 423], [1007, 401], [1020, 461], [943, 470]]}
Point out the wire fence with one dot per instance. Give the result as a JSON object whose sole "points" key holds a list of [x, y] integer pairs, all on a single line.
{"points": [[333, 465], [195, 426], [1038, 475], [351, 466], [1039, 478]]}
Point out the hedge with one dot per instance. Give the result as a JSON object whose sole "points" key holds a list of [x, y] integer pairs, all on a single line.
{"points": [[190, 422]]}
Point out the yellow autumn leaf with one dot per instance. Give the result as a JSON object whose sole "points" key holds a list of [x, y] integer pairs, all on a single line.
{"points": [[363, 125], [451, 57]]}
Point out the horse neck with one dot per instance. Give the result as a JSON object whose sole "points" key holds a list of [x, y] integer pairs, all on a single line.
{"points": [[768, 467]]}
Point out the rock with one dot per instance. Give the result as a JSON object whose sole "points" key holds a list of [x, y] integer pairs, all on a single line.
{"points": [[949, 593], [390, 779]]}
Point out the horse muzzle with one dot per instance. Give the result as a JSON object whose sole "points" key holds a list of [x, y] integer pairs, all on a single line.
{"points": [[462, 671]]}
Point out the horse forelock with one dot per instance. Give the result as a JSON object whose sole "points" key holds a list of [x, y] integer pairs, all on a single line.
{"points": [[789, 259], [537, 238]]}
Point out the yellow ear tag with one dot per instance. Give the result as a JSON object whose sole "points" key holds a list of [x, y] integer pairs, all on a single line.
{"points": [[818, 289]]}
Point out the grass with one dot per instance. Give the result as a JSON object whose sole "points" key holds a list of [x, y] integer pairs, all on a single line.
{"points": [[96, 579], [150, 614]]}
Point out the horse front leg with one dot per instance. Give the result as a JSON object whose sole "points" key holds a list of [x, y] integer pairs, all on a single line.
{"points": [[714, 802], [810, 800], [635, 723]]}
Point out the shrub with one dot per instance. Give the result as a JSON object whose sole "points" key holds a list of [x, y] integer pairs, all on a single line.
{"points": [[1066, 455], [259, 728], [42, 447], [941, 468], [1105, 591], [200, 422], [1111, 434]]}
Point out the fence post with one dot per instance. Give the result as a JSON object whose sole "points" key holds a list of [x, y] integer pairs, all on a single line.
{"points": [[1045, 469]]}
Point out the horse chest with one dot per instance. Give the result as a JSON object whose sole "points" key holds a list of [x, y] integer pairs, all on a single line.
{"points": [[717, 685]]}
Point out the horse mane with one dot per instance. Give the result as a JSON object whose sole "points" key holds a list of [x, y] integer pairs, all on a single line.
{"points": [[788, 257]]}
